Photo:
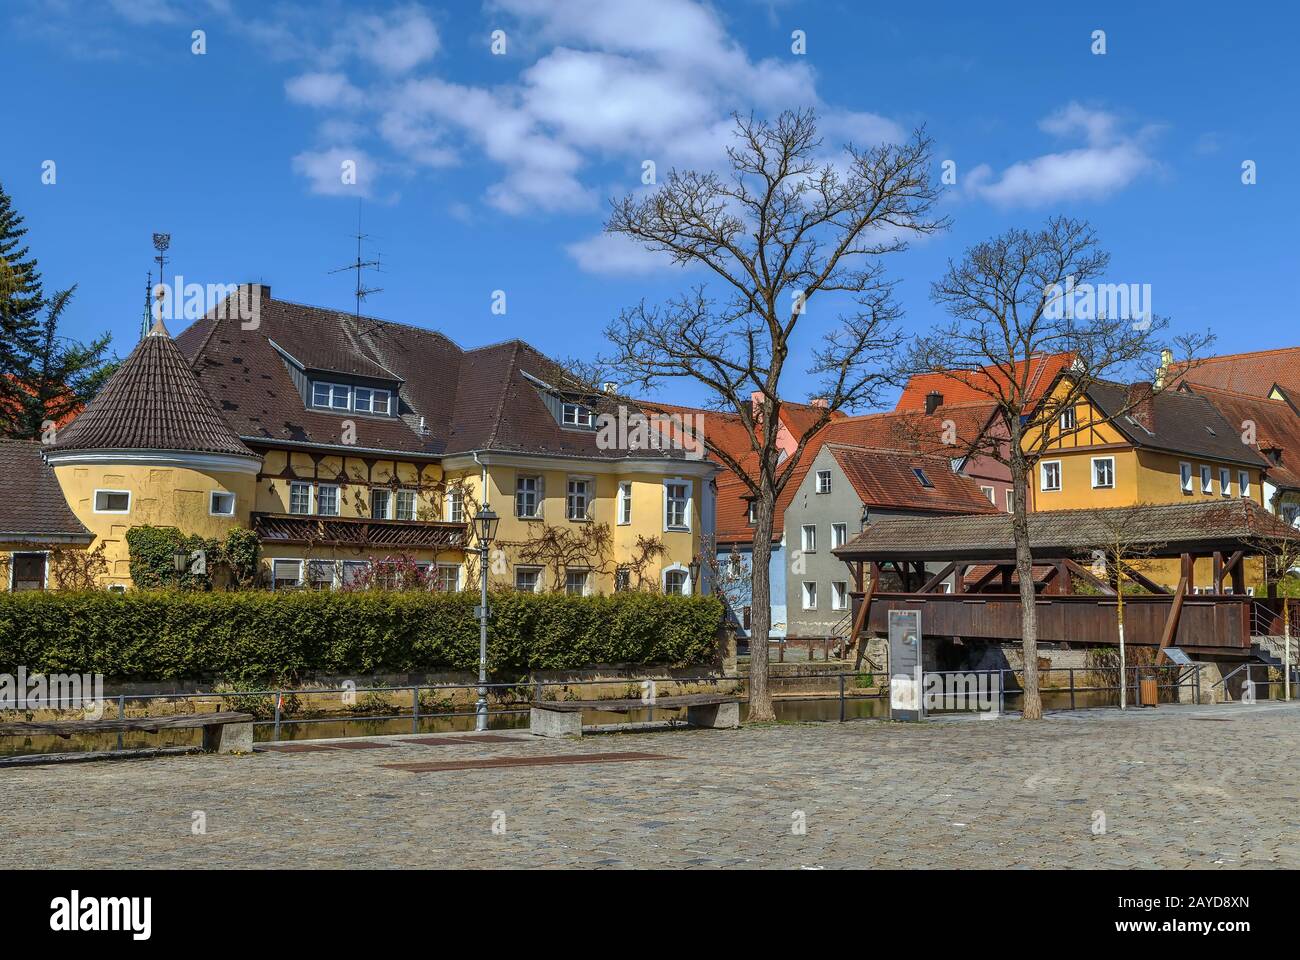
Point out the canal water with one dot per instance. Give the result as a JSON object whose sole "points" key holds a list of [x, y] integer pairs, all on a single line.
{"points": [[810, 708]]}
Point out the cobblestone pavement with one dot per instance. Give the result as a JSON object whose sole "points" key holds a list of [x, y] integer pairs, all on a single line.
{"points": [[1178, 787]]}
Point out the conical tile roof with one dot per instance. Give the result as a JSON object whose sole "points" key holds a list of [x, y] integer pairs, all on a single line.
{"points": [[152, 402]]}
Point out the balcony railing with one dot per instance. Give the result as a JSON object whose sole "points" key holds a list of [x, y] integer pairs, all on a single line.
{"points": [[300, 530]]}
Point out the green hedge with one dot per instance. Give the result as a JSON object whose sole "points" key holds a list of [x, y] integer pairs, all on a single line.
{"points": [[256, 637]]}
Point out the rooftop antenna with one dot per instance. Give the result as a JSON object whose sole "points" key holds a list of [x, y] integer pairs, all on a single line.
{"points": [[362, 291]]}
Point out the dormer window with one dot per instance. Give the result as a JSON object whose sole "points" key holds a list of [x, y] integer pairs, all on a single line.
{"points": [[366, 400], [344, 397], [576, 415], [332, 396]]}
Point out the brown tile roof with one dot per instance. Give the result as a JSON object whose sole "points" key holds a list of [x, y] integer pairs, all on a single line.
{"points": [[1252, 373], [886, 478], [34, 508], [983, 385], [476, 399], [152, 402], [1166, 528], [909, 430], [1276, 426], [1180, 422]]}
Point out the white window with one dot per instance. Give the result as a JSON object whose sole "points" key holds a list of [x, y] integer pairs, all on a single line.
{"points": [[354, 571], [405, 505], [221, 504], [528, 501], [528, 579], [823, 481], [286, 574], [299, 497], [448, 579], [677, 505], [1103, 472], [675, 582], [922, 477], [839, 595], [989, 492], [1243, 483], [1185, 476], [575, 582], [456, 505], [1067, 419], [1011, 501], [1225, 482], [839, 534], [381, 504], [320, 574], [1051, 475], [809, 595], [1207, 480], [576, 415], [116, 588], [333, 396], [578, 499], [327, 500], [624, 503], [808, 538], [112, 501], [366, 400]]}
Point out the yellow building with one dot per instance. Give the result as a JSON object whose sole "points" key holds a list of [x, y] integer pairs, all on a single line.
{"points": [[358, 450], [1126, 445]]}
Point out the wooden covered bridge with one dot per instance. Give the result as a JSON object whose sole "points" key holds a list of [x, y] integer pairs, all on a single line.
{"points": [[960, 572]]}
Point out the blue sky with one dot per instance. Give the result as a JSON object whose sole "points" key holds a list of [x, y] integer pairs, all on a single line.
{"points": [[482, 172]]}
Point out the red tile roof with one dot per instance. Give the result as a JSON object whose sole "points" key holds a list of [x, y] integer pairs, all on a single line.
{"points": [[1276, 426], [982, 385], [1252, 373]]}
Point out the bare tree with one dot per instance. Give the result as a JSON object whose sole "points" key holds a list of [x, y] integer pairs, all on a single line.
{"points": [[1123, 549], [785, 228], [1011, 301]]}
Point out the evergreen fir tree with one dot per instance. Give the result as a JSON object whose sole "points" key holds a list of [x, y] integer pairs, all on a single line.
{"points": [[59, 375], [20, 304]]}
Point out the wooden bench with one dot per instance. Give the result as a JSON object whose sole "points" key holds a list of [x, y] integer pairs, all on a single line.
{"points": [[563, 718], [222, 732]]}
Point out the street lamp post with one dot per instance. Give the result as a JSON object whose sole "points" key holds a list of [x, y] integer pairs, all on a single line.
{"points": [[180, 560], [485, 529], [693, 568]]}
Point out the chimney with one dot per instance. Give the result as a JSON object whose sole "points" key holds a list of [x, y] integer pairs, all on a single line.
{"points": [[609, 387], [933, 401], [1141, 407], [820, 402], [1162, 371]]}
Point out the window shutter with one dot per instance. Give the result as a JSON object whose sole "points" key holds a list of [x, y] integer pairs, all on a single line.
{"points": [[541, 495]]}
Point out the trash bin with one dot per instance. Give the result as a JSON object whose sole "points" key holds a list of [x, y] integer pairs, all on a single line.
{"points": [[1148, 691]]}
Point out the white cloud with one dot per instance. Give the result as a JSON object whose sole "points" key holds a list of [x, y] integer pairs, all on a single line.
{"points": [[399, 42], [328, 171], [1109, 162], [323, 90], [610, 253]]}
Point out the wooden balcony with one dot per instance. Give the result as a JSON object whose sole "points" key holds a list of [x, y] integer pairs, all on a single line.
{"points": [[360, 532]]}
